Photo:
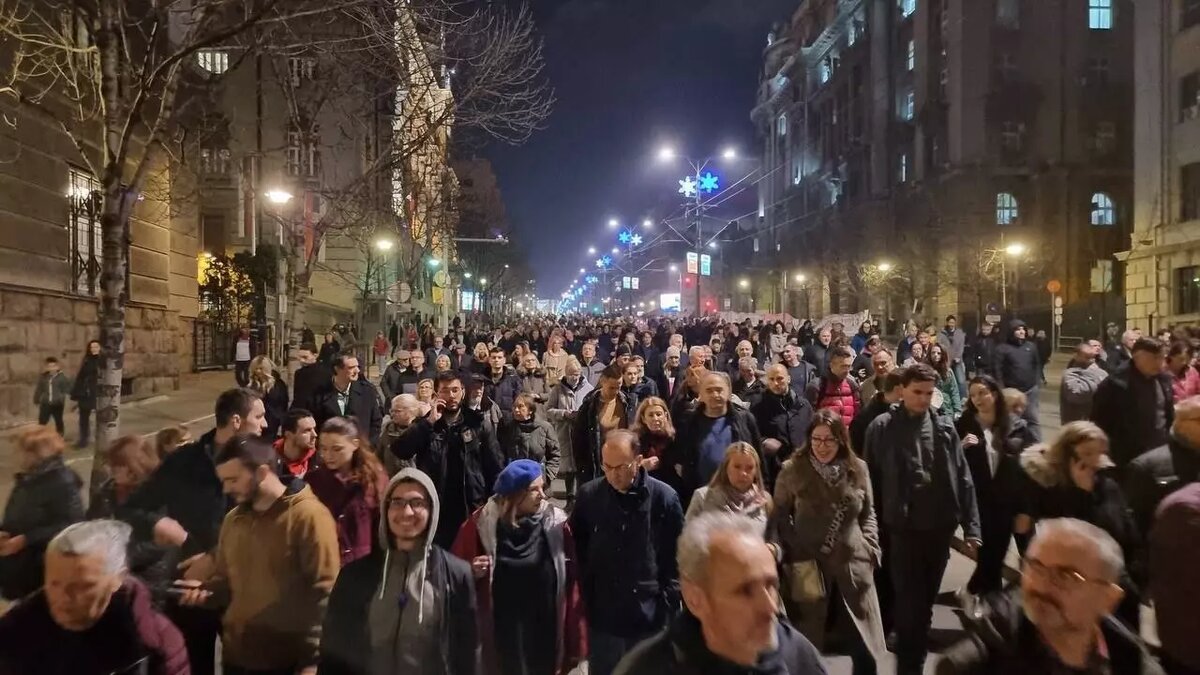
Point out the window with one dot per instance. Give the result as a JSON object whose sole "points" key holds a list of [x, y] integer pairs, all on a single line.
{"points": [[1187, 290], [303, 154], [1104, 138], [911, 60], [1097, 71], [301, 68], [1100, 14], [907, 7], [1189, 97], [83, 198], [1007, 209], [1104, 212], [902, 167], [797, 171], [214, 161], [908, 106], [212, 233], [1012, 136], [1008, 14], [781, 124], [1189, 191], [1006, 67], [214, 61]]}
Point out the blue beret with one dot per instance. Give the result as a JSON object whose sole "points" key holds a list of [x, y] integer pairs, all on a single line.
{"points": [[517, 476]]}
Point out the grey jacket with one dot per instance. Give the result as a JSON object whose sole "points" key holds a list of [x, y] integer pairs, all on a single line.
{"points": [[888, 461], [1079, 385], [52, 389], [561, 407], [953, 344]]}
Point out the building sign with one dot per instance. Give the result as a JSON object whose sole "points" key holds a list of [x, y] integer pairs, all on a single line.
{"points": [[706, 265], [635, 283], [626, 283], [693, 263]]}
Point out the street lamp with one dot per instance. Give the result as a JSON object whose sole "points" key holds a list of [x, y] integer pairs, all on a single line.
{"points": [[666, 153], [800, 278], [466, 275], [613, 223], [729, 153], [591, 250], [885, 267], [744, 283], [674, 268], [712, 245], [647, 223], [1016, 250], [279, 196], [384, 245], [616, 250], [434, 262]]}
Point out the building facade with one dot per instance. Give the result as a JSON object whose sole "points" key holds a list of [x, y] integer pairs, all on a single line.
{"points": [[1163, 260], [926, 157]]}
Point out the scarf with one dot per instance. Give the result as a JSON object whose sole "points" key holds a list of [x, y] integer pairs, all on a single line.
{"points": [[832, 473], [521, 542]]}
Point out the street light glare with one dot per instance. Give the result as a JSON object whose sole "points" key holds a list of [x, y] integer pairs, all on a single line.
{"points": [[1015, 249], [674, 268], [384, 245], [729, 153], [591, 250], [647, 223], [885, 267], [279, 196], [666, 153], [616, 250], [614, 223], [712, 244], [434, 262], [466, 275], [744, 283], [800, 278]]}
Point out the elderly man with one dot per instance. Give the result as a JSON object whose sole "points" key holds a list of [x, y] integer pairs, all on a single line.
{"points": [[707, 431], [882, 363], [1135, 406], [1120, 353], [817, 353], [1060, 621], [390, 382], [90, 617], [730, 587], [1080, 381], [404, 411], [782, 416], [625, 524], [744, 350], [671, 374], [800, 371], [746, 385]]}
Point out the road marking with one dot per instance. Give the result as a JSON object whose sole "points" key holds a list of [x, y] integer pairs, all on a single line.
{"points": [[88, 458]]}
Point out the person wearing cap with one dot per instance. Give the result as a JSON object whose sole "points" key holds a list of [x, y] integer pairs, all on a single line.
{"points": [[522, 554], [1167, 468]]}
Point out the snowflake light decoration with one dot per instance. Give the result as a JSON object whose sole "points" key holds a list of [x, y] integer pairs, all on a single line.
{"points": [[624, 237], [600, 263], [592, 279], [709, 183], [687, 187], [635, 240]]}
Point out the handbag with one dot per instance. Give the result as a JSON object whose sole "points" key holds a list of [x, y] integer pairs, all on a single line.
{"points": [[806, 582]]}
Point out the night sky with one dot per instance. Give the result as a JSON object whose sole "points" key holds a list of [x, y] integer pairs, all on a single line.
{"points": [[630, 75]]}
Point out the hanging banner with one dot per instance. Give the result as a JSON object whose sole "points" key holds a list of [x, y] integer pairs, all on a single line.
{"points": [[635, 283]]}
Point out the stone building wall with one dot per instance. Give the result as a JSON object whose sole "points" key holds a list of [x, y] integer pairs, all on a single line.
{"points": [[35, 325]]}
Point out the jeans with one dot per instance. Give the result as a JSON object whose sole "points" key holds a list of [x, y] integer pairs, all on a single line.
{"points": [[960, 374], [48, 410], [381, 361], [241, 372], [85, 427], [1031, 413], [918, 561], [605, 651]]}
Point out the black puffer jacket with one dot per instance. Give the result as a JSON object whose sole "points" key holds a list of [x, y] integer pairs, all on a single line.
{"points": [[1017, 364], [530, 439], [44, 501]]}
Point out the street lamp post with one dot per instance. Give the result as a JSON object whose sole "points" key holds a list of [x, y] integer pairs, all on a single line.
{"points": [[1016, 250]]}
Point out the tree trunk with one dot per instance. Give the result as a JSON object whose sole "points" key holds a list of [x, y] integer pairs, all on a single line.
{"points": [[113, 263]]}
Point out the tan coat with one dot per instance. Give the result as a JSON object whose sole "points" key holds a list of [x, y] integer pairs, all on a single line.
{"points": [[804, 508]]}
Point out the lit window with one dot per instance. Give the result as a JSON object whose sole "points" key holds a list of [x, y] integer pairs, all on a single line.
{"points": [[911, 61], [1104, 212], [301, 68], [214, 61], [908, 106], [907, 7], [214, 161], [903, 167], [781, 124], [1100, 14], [1007, 210]]}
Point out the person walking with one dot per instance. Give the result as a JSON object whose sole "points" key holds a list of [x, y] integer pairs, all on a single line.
{"points": [[924, 491], [502, 384], [825, 522], [524, 436], [836, 388], [533, 379], [800, 371], [626, 524], [409, 608], [50, 394], [562, 408], [269, 385], [782, 416], [46, 498], [1018, 366], [951, 403], [242, 352], [85, 389], [350, 483], [381, 349], [522, 554], [1135, 405], [983, 350], [707, 431], [736, 487], [310, 378], [329, 350], [554, 361], [349, 396], [954, 342], [603, 410], [1185, 379], [1080, 381], [297, 448]]}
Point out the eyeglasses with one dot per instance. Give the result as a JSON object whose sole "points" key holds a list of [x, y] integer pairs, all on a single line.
{"points": [[824, 440], [416, 504], [1061, 577], [620, 467]]}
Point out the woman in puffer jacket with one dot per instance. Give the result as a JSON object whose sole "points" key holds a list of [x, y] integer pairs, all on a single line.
{"points": [[565, 399], [523, 436]]}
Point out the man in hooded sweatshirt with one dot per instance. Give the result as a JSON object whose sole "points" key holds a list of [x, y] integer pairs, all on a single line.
{"points": [[1019, 366], [408, 608]]}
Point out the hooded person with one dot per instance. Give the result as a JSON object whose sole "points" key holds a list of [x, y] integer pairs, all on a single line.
{"points": [[1019, 366], [522, 554], [409, 607]]}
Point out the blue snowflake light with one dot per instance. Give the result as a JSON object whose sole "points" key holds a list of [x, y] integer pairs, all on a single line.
{"points": [[687, 187], [709, 183], [592, 279], [624, 237], [607, 260], [600, 263]]}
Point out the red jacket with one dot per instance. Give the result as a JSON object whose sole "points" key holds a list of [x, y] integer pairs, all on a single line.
{"points": [[844, 397], [477, 537], [357, 517]]}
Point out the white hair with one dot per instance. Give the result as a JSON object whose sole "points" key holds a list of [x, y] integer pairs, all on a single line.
{"points": [[698, 350], [1107, 548], [106, 538], [405, 401], [695, 544], [673, 351]]}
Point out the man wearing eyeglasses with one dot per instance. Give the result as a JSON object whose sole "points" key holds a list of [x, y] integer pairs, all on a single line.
{"points": [[1060, 620], [626, 525]]}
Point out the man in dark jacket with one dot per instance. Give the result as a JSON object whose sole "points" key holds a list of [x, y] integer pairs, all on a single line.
{"points": [[1135, 406], [651, 356], [670, 376], [182, 505], [817, 354], [1118, 354], [390, 381], [457, 448], [309, 378], [1019, 366], [729, 583], [1060, 621], [983, 351], [373, 609], [90, 617], [923, 491], [587, 435], [1156, 474], [502, 383], [626, 525], [747, 382], [349, 396], [800, 372], [887, 393], [1174, 554], [783, 418], [704, 435]]}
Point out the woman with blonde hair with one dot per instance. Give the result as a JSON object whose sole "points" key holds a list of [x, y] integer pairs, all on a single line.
{"points": [[656, 433], [824, 520], [522, 554], [736, 487], [267, 382]]}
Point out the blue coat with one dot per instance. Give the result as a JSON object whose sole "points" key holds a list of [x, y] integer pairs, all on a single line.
{"points": [[625, 543]]}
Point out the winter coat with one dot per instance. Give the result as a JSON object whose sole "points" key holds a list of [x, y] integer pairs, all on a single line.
{"points": [[561, 408], [307, 382], [1152, 477], [785, 419], [983, 354], [586, 434], [625, 543], [1174, 584], [952, 403], [1079, 385], [887, 456], [858, 428], [843, 397], [681, 650], [363, 408], [805, 505], [742, 428], [531, 439], [52, 389], [817, 355], [478, 537], [555, 365], [390, 382], [275, 402], [663, 385], [1115, 408], [152, 564], [859, 342], [130, 638], [534, 383], [778, 342], [954, 342], [43, 502], [1004, 642], [998, 496], [503, 391], [86, 387], [1017, 363], [329, 351], [354, 512], [802, 373]]}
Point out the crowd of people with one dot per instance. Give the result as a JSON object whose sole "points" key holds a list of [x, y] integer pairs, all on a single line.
{"points": [[734, 498]]}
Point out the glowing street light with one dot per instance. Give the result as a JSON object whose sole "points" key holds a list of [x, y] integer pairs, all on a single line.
{"points": [[800, 278], [384, 245], [616, 250], [885, 267], [466, 275], [744, 283], [279, 196], [729, 153], [712, 245], [1015, 250], [483, 281], [666, 153], [434, 262], [582, 270], [591, 250], [614, 223], [647, 223], [674, 268]]}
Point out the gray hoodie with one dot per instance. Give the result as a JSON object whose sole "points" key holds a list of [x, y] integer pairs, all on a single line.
{"points": [[1079, 385]]}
